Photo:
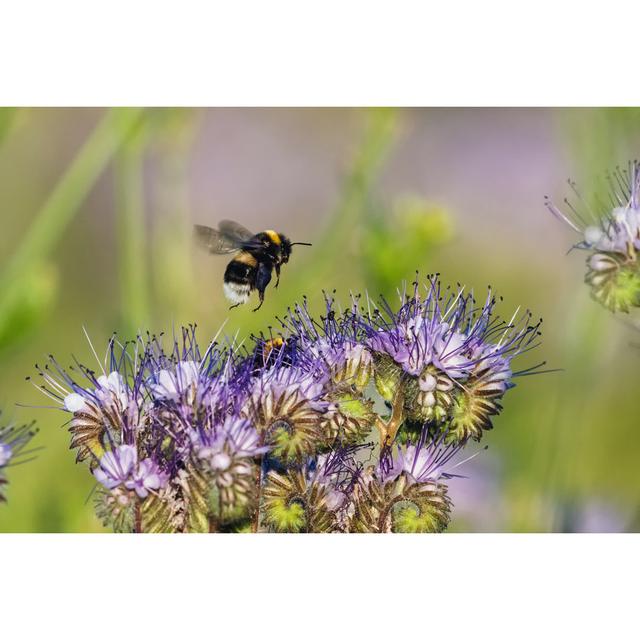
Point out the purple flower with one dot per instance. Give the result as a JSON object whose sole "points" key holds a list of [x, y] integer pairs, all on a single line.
{"points": [[338, 473], [236, 438], [424, 461], [279, 381], [121, 467], [217, 436], [416, 342], [615, 229], [5, 454], [13, 441], [449, 334], [612, 234]]}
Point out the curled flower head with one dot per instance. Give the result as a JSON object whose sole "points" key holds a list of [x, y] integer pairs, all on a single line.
{"points": [[406, 491], [611, 234], [316, 499], [288, 404]]}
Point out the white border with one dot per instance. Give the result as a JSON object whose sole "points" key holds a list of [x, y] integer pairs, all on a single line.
{"points": [[360, 586], [330, 52]]}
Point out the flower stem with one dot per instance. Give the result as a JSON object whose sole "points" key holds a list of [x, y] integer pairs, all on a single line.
{"points": [[255, 526], [389, 429], [134, 285], [65, 200], [138, 517]]}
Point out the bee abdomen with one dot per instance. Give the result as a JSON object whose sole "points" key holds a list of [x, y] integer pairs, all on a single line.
{"points": [[239, 278]]}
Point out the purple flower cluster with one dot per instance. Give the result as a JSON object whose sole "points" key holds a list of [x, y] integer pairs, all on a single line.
{"points": [[345, 421], [13, 450], [610, 232]]}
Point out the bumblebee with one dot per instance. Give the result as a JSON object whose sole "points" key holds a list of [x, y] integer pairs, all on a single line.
{"points": [[276, 350], [258, 255]]}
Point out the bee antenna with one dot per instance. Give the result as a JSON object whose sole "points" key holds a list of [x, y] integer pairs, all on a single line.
{"points": [[306, 244]]}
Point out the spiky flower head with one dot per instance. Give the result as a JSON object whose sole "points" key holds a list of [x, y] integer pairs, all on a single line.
{"points": [[13, 443], [610, 232], [445, 359], [406, 491], [142, 422], [315, 498], [287, 406], [276, 436], [226, 455]]}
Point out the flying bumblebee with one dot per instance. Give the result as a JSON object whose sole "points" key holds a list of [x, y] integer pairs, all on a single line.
{"points": [[258, 255]]}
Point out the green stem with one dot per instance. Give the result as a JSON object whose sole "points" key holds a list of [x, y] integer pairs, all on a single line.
{"points": [[255, 525], [134, 282], [389, 429], [64, 201], [138, 517], [378, 136]]}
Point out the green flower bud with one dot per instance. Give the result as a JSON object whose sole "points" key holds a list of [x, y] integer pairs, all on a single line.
{"points": [[116, 508], [292, 442], [400, 506], [424, 508], [387, 376], [293, 505], [429, 397], [614, 280], [350, 420], [355, 369], [475, 404]]}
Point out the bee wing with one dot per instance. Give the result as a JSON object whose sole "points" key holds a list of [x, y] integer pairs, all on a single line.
{"points": [[234, 231], [239, 235], [215, 241]]}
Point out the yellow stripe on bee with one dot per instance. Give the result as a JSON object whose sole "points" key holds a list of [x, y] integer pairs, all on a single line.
{"points": [[274, 236], [246, 258]]}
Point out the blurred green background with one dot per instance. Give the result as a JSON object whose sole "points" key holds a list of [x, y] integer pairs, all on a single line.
{"points": [[97, 210]]}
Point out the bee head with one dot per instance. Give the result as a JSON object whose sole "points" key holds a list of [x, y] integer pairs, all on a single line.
{"points": [[285, 248]]}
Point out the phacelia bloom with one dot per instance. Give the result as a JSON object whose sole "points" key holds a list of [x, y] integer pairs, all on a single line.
{"points": [[288, 405], [121, 467], [343, 422], [445, 360], [611, 234], [406, 492], [105, 408], [172, 384], [226, 455], [314, 499], [13, 443]]}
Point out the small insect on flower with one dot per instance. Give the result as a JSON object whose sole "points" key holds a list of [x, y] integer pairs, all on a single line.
{"points": [[611, 233], [13, 442], [257, 256]]}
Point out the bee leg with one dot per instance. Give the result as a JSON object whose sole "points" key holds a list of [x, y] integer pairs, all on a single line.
{"points": [[263, 277], [261, 301], [277, 268], [233, 306]]}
